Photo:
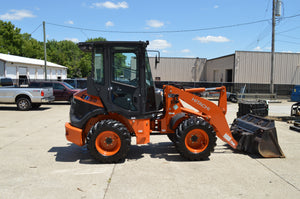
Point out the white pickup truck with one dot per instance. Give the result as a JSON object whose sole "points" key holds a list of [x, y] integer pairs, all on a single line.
{"points": [[25, 98]]}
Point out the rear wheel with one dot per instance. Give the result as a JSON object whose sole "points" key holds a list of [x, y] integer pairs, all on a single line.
{"points": [[23, 104], [109, 141], [196, 139]]}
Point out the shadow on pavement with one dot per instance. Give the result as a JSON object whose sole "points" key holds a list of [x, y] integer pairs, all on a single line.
{"points": [[226, 148], [60, 103], [72, 153], [163, 150], [11, 108]]}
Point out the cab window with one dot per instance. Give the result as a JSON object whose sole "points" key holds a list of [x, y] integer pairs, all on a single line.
{"points": [[58, 86], [125, 77], [98, 66]]}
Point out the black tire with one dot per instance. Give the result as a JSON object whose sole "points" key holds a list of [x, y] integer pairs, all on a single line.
{"points": [[23, 104], [70, 99], [172, 137], [233, 99], [196, 139], [36, 105], [108, 141]]}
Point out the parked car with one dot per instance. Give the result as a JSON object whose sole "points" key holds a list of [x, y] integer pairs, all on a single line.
{"points": [[78, 83], [25, 98], [62, 91]]}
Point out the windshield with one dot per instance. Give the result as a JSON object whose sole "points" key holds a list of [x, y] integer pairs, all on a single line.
{"points": [[68, 85]]}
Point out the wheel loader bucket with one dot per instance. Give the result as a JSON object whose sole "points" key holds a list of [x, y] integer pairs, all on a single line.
{"points": [[256, 135]]}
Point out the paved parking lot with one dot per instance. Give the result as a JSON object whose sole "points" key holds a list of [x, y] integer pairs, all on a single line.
{"points": [[38, 162]]}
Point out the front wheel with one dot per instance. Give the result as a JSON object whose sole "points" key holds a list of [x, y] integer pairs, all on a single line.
{"points": [[196, 139], [108, 141]]}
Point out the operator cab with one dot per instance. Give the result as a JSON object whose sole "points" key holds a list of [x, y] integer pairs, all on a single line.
{"points": [[121, 77]]}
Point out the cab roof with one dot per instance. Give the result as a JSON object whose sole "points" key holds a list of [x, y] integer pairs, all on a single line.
{"points": [[88, 46]]}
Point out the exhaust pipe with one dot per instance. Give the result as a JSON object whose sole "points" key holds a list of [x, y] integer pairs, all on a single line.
{"points": [[256, 135]]}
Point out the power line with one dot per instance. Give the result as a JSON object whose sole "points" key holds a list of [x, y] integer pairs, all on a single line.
{"points": [[169, 31], [288, 36], [36, 29], [289, 30], [296, 43]]}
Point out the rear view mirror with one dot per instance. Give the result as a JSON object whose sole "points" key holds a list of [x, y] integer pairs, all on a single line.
{"points": [[157, 57]]}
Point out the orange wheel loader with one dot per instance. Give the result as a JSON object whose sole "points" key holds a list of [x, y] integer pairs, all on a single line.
{"points": [[121, 101]]}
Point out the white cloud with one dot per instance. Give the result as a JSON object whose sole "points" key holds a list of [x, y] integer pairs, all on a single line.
{"points": [[207, 39], [109, 24], [216, 6], [17, 15], [155, 23], [69, 22], [257, 48], [111, 5], [186, 51], [75, 40], [159, 44]]}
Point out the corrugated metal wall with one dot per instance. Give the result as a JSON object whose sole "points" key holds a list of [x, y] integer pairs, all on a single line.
{"points": [[216, 68], [178, 69], [255, 67]]}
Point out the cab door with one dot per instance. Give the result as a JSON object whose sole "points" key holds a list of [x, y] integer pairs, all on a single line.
{"points": [[125, 79], [116, 78]]}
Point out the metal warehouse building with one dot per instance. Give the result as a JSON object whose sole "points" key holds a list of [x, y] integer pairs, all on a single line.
{"points": [[17, 67], [178, 69], [249, 68], [254, 67]]}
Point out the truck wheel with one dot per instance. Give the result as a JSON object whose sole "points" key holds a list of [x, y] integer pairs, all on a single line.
{"points": [[108, 141], [196, 139], [23, 104]]}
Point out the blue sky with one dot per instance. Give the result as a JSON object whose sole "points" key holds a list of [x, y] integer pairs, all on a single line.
{"points": [[152, 20]]}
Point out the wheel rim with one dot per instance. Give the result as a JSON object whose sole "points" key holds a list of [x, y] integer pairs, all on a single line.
{"points": [[108, 143], [196, 140], [23, 104]]}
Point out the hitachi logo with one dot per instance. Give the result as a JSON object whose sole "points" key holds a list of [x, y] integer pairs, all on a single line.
{"points": [[201, 104]]}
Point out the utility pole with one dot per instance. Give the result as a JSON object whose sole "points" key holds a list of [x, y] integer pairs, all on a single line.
{"points": [[45, 52], [276, 11], [273, 49]]}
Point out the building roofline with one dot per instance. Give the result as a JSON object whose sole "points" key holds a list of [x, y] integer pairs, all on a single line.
{"points": [[26, 60], [221, 57], [245, 51], [180, 58], [266, 52]]}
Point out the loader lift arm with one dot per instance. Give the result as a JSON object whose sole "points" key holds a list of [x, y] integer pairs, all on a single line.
{"points": [[209, 111]]}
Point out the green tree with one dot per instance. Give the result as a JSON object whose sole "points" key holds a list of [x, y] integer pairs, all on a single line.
{"points": [[31, 47], [11, 40], [86, 58], [65, 53]]}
